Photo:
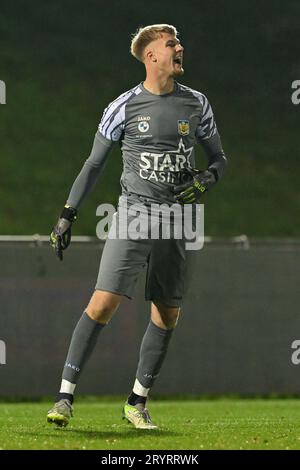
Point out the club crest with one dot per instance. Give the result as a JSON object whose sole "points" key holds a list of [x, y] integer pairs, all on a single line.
{"points": [[183, 127]]}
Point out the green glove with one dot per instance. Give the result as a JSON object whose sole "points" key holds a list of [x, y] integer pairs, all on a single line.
{"points": [[60, 237], [198, 183]]}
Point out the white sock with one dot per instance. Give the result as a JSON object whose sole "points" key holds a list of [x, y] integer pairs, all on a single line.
{"points": [[138, 389], [67, 387]]}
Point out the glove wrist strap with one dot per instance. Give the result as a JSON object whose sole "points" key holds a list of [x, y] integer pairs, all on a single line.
{"points": [[214, 171], [69, 213]]}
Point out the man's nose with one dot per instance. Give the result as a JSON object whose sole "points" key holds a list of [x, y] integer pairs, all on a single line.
{"points": [[179, 48]]}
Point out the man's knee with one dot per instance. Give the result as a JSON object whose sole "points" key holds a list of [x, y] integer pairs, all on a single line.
{"points": [[103, 305], [173, 317], [164, 316]]}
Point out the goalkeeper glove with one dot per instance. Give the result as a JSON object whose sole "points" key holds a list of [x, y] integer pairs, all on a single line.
{"points": [[60, 237], [199, 182]]}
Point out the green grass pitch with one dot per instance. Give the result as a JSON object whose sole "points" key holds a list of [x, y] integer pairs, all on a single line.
{"points": [[184, 424]]}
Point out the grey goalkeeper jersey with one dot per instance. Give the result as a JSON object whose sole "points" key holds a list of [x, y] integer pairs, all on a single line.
{"points": [[157, 135]]}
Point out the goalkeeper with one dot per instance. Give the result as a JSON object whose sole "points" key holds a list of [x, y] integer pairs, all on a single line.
{"points": [[157, 124]]}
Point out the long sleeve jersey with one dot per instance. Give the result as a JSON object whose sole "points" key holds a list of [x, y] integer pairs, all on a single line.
{"points": [[157, 135]]}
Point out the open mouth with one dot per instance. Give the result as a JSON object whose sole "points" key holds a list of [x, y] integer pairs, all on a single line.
{"points": [[178, 60]]}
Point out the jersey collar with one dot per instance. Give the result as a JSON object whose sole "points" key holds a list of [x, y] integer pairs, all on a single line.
{"points": [[160, 96]]}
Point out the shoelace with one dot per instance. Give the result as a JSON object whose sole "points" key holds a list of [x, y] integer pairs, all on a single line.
{"points": [[68, 404], [146, 415]]}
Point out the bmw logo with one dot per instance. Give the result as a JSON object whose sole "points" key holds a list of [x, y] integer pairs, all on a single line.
{"points": [[143, 126]]}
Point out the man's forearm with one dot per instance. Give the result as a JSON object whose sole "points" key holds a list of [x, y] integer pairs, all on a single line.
{"points": [[216, 156], [90, 171], [217, 164]]}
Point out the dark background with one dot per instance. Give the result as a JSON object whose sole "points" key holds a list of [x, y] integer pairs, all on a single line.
{"points": [[63, 62]]}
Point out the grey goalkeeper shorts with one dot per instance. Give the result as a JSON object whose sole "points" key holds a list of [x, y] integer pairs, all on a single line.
{"points": [[165, 262]]}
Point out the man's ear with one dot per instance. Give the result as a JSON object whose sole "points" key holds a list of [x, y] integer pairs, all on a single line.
{"points": [[150, 55]]}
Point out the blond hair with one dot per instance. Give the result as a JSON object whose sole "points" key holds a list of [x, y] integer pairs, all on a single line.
{"points": [[147, 34]]}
